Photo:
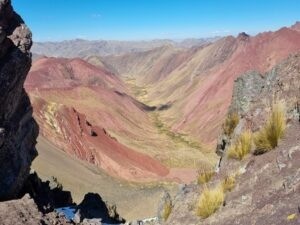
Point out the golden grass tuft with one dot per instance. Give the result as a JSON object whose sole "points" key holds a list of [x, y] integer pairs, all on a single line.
{"points": [[210, 201], [230, 123], [205, 173], [167, 211], [267, 137], [205, 176], [228, 183], [241, 147]]}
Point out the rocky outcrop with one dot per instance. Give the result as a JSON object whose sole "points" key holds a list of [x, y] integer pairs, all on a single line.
{"points": [[25, 212], [48, 195], [266, 191], [34, 200], [18, 129], [253, 94], [266, 186]]}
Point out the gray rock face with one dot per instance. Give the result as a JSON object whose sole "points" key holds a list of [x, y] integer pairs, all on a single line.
{"points": [[25, 212], [246, 87], [18, 129]]}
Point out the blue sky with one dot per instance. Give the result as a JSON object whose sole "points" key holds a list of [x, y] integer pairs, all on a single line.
{"points": [[52, 20]]}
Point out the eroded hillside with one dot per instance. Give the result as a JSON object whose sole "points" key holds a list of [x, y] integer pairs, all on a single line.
{"points": [[166, 103], [263, 184], [88, 112], [156, 115], [197, 83]]}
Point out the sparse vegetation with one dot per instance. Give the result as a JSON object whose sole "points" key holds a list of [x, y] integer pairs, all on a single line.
{"points": [[176, 137], [167, 210], [230, 123], [241, 147], [205, 176], [268, 137], [228, 183], [205, 173], [210, 201]]}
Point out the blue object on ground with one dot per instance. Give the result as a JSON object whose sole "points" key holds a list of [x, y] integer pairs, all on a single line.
{"points": [[69, 212]]}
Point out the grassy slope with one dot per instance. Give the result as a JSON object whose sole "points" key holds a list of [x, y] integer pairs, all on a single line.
{"points": [[133, 201]]}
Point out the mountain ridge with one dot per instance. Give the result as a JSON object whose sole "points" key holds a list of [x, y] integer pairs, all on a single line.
{"points": [[83, 48], [205, 78]]}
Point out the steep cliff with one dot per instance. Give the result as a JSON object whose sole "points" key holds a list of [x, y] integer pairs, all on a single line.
{"points": [[18, 130]]}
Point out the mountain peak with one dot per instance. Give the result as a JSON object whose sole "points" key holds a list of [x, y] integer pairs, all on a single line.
{"points": [[243, 36], [296, 26]]}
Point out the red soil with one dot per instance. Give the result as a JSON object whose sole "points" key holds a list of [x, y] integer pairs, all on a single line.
{"points": [[76, 136], [60, 73], [259, 53], [75, 79]]}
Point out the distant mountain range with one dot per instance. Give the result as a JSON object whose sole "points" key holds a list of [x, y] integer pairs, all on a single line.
{"points": [[82, 48]]}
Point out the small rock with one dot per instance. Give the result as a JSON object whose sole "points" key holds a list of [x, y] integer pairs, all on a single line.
{"points": [[292, 151], [280, 165]]}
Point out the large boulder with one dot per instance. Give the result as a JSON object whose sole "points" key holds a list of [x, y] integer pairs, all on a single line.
{"points": [[17, 127]]}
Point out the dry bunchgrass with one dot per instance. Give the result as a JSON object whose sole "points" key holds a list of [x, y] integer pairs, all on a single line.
{"points": [[167, 211], [228, 183], [241, 147], [205, 176], [267, 137], [210, 201], [230, 123], [205, 173]]}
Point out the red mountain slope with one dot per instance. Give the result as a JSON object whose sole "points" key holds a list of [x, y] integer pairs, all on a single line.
{"points": [[58, 86], [199, 88], [60, 72], [127, 143], [77, 136], [207, 104]]}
